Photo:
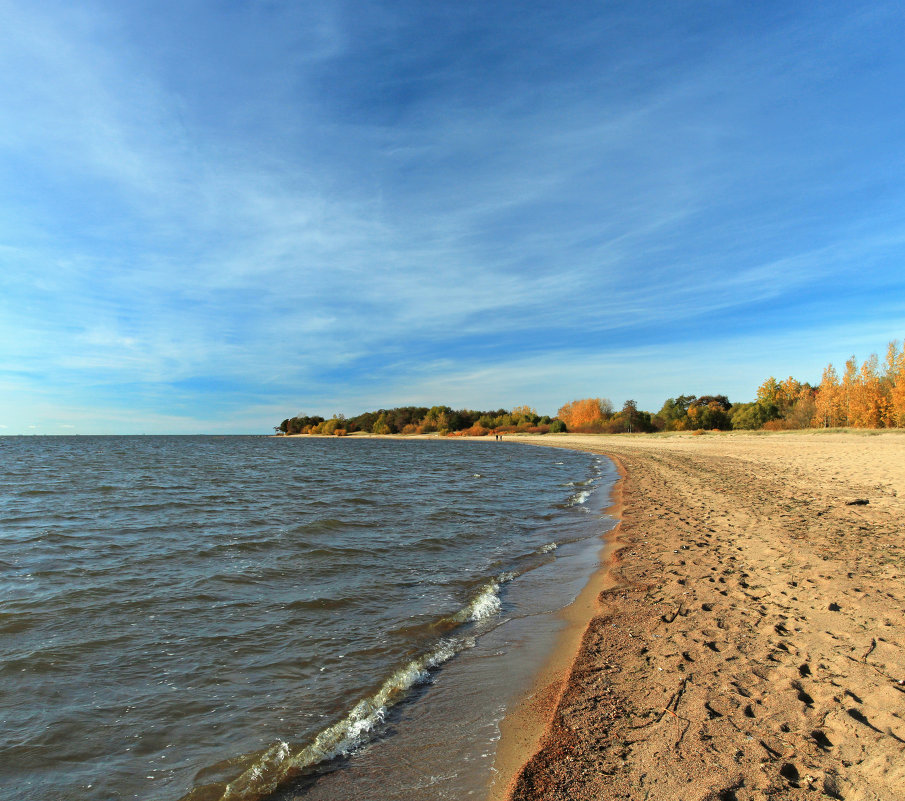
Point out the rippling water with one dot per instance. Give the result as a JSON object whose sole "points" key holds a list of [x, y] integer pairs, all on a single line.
{"points": [[217, 618]]}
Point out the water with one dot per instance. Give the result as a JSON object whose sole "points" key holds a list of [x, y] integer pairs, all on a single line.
{"points": [[248, 617]]}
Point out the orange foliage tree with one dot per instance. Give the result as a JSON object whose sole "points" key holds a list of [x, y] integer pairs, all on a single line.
{"points": [[586, 413], [894, 377], [829, 402], [867, 402], [864, 397]]}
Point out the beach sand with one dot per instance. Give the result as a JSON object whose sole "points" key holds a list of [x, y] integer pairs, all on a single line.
{"points": [[745, 638]]}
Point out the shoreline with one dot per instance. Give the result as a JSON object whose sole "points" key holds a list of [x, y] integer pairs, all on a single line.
{"points": [[749, 647], [524, 726]]}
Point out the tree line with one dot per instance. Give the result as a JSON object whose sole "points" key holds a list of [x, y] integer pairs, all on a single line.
{"points": [[442, 420], [869, 395]]}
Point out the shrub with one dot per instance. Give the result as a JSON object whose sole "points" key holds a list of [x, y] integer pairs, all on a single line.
{"points": [[777, 425], [597, 427]]}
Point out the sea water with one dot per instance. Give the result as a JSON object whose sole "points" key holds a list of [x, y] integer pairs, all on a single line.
{"points": [[255, 617]]}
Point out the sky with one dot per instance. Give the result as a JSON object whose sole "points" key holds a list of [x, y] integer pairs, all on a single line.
{"points": [[215, 215]]}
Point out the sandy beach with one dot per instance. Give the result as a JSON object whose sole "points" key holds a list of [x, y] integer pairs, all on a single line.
{"points": [[744, 638]]}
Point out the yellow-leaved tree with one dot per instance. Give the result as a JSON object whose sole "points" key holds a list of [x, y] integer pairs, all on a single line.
{"points": [[829, 411], [865, 397], [894, 375], [866, 400], [523, 415]]}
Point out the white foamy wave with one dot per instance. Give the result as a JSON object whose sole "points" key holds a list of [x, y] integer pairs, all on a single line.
{"points": [[485, 604], [277, 764], [579, 498], [550, 546]]}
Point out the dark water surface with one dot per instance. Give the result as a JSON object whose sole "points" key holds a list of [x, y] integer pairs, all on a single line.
{"points": [[251, 617]]}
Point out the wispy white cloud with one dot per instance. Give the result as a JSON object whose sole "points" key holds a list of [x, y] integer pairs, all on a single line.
{"points": [[345, 203]]}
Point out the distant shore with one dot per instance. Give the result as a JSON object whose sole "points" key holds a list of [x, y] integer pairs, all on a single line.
{"points": [[745, 636]]}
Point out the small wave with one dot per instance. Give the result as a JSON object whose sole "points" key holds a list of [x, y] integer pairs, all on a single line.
{"points": [[11, 623], [477, 475], [328, 525], [486, 603], [302, 604], [550, 546], [579, 498], [269, 769], [46, 535], [239, 546], [276, 765], [584, 483]]}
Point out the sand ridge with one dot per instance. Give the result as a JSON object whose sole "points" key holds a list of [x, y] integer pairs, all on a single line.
{"points": [[752, 644]]}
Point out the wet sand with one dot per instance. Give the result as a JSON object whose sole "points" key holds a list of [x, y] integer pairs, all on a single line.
{"points": [[746, 637]]}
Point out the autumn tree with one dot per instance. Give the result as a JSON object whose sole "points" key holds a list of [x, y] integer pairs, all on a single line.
{"points": [[524, 415], [801, 414], [867, 404], [789, 402], [830, 403], [782, 395], [770, 393], [847, 388], [864, 397], [587, 413], [709, 412], [894, 375]]}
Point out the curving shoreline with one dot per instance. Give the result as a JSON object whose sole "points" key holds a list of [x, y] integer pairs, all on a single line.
{"points": [[524, 726], [745, 638]]}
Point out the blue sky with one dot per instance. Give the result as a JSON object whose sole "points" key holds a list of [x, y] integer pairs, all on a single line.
{"points": [[215, 215]]}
